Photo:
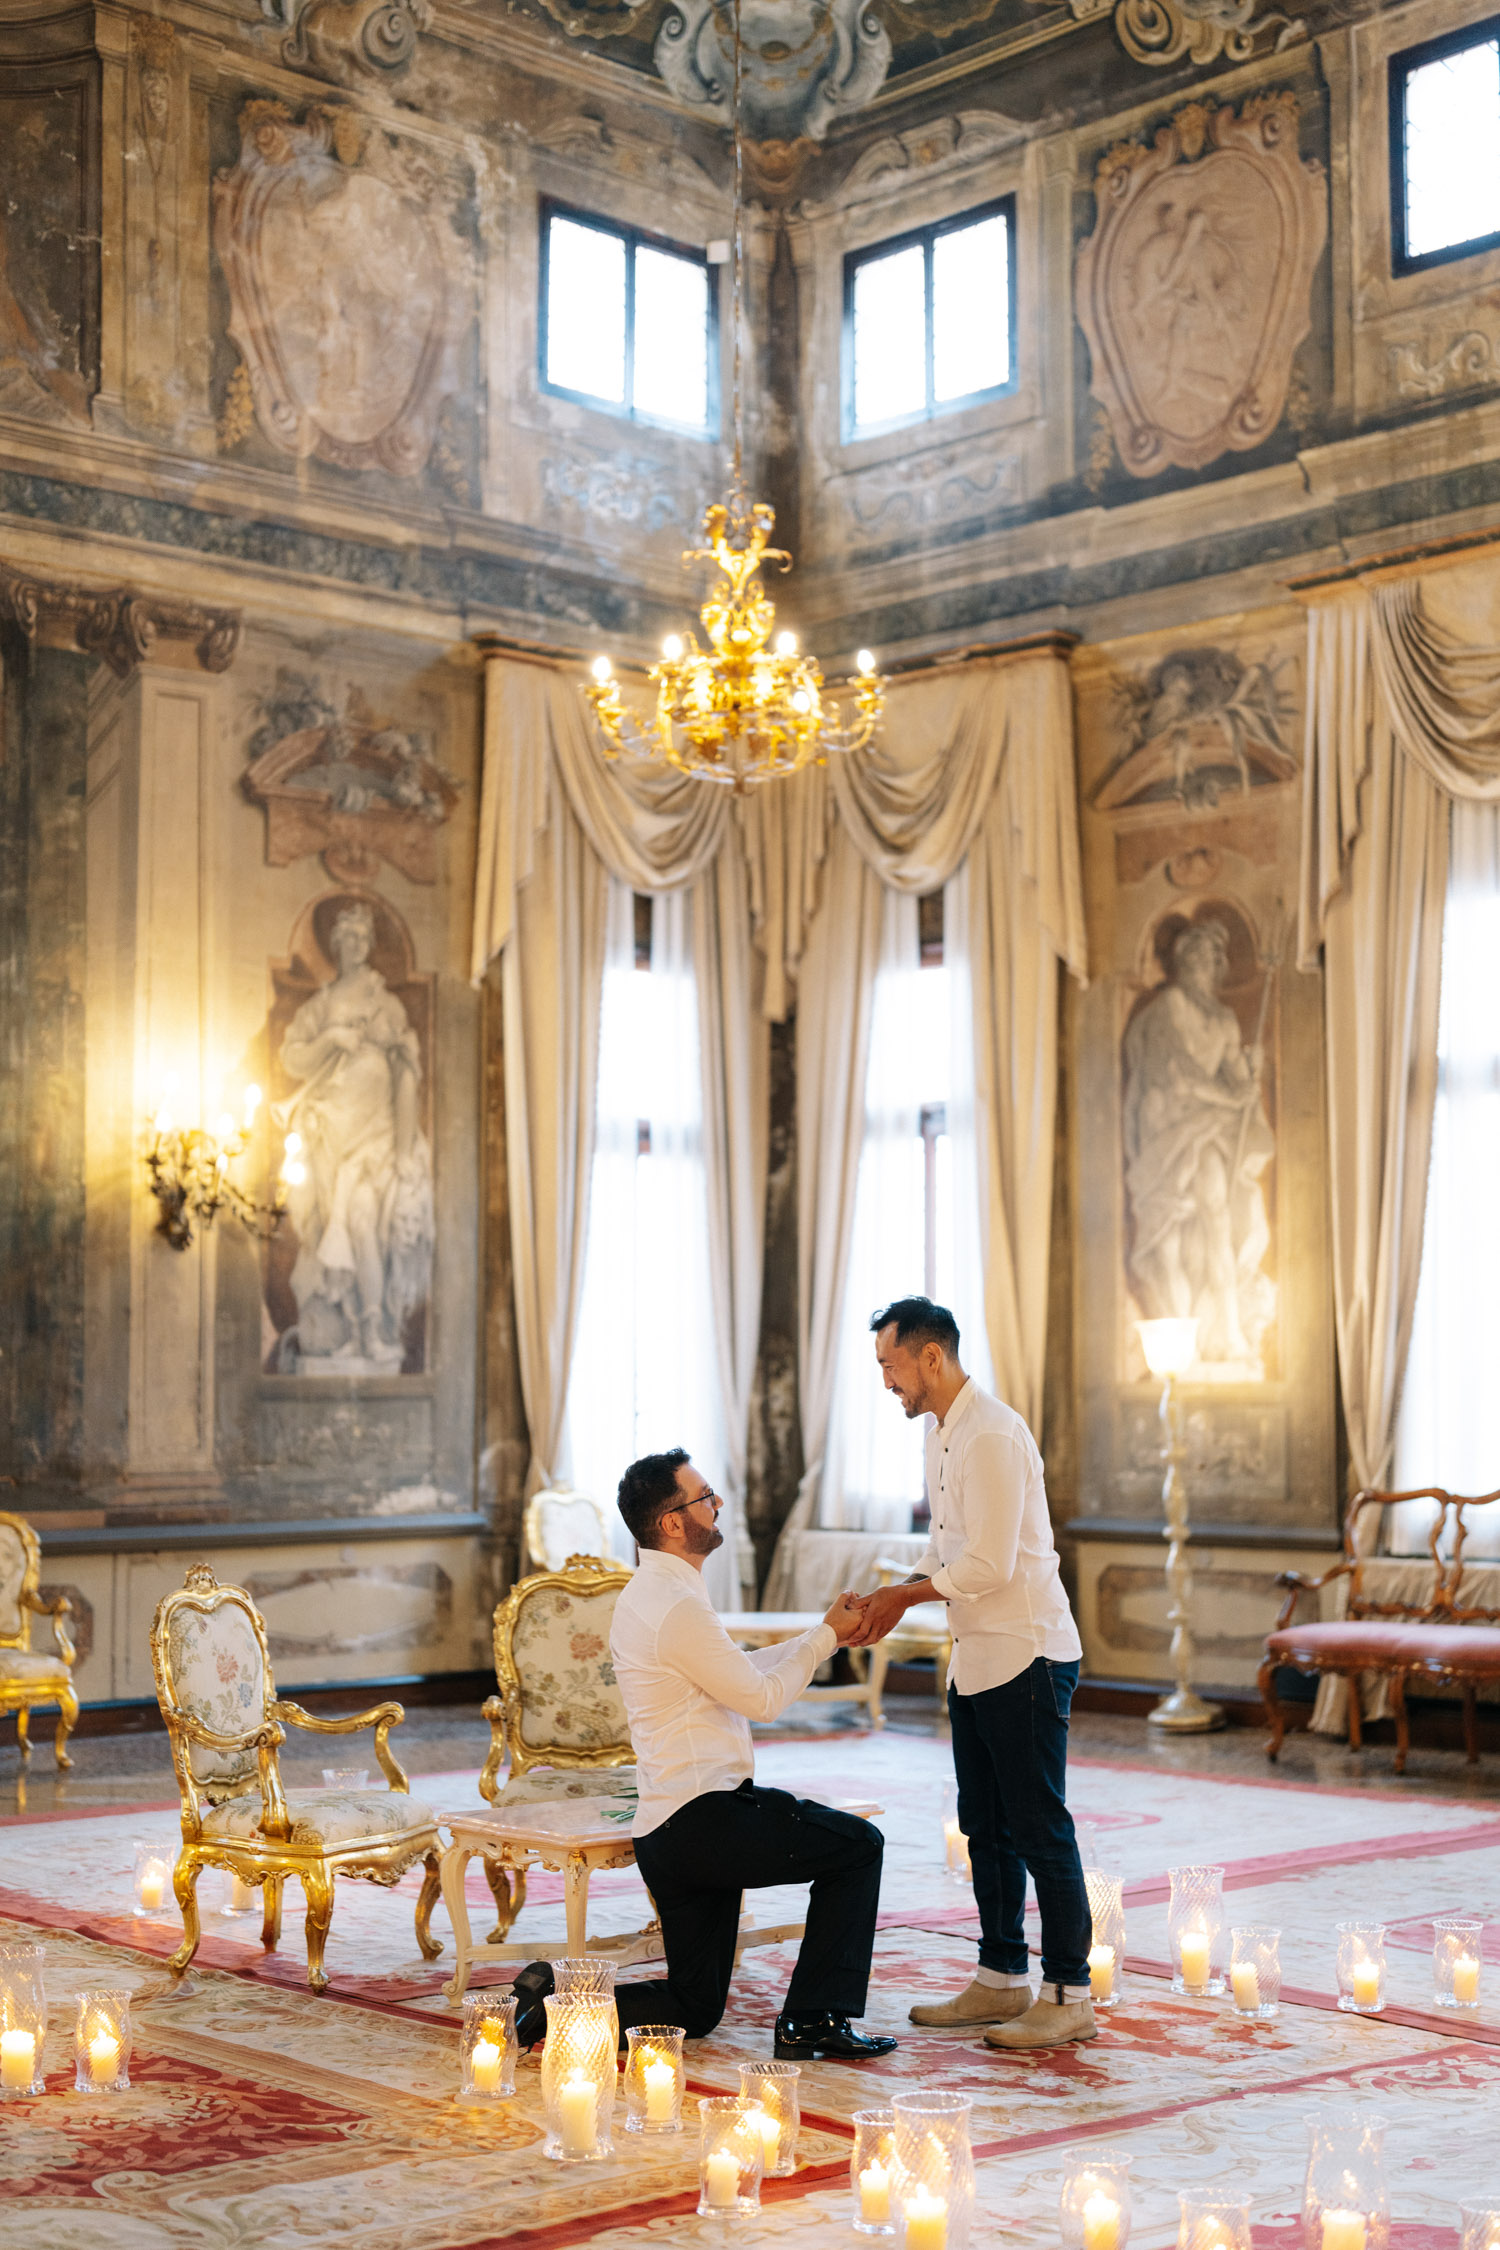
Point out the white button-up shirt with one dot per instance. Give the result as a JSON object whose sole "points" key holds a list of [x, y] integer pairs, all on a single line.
{"points": [[690, 1694], [990, 1553]]}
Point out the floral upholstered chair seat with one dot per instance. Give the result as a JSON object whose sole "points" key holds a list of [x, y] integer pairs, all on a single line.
{"points": [[226, 1724], [28, 1676]]}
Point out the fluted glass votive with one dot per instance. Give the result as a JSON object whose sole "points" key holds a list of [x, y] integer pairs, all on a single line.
{"points": [[102, 2043], [1480, 2226], [345, 1777], [154, 1896], [934, 2169], [583, 1976], [731, 2158], [487, 2048], [955, 1842], [653, 2078], [23, 2021], [1210, 2223], [240, 1897], [1457, 1950], [1195, 1917], [1107, 1952], [771, 2090], [1345, 2201], [872, 2166], [578, 2077], [1093, 2210], [1255, 1972], [1361, 1967]]}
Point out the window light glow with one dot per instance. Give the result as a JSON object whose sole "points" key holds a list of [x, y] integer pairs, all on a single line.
{"points": [[1451, 126]]}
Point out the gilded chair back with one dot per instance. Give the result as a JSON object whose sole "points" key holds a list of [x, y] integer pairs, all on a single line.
{"points": [[561, 1706], [560, 1523], [20, 1569], [212, 1665]]}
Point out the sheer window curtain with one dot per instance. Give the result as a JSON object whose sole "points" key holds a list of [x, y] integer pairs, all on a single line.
{"points": [[645, 1374], [1448, 1432]]}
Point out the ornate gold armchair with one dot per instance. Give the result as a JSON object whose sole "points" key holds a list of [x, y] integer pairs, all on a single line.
{"points": [[226, 1724], [29, 1676], [561, 1524]]}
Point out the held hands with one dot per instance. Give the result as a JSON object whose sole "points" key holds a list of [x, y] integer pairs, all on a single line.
{"points": [[847, 1618]]}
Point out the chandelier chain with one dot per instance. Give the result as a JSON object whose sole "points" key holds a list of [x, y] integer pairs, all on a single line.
{"points": [[737, 265]]}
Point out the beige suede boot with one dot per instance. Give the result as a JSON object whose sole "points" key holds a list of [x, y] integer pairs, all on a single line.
{"points": [[977, 2003], [1046, 2023]]}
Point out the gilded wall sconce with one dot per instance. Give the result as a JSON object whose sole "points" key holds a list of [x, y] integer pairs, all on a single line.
{"points": [[189, 1170]]}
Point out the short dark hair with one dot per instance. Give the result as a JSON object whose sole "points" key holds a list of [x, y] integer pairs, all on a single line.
{"points": [[918, 1321], [647, 1487]]}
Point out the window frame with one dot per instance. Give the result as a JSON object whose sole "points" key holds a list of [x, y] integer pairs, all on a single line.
{"points": [[1399, 68], [998, 205], [634, 238]]}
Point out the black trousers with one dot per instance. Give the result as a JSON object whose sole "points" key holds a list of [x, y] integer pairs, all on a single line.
{"points": [[698, 1862]]}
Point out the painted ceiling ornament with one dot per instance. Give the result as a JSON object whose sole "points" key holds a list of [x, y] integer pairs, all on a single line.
{"points": [[354, 788], [349, 288], [805, 61], [1164, 31], [1194, 288], [600, 19], [346, 40]]}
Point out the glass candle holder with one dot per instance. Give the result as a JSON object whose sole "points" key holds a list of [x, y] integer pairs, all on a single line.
{"points": [[1093, 2210], [1361, 1966], [487, 2048], [578, 2077], [771, 2089], [1194, 1920], [345, 1777], [934, 2172], [1457, 1951], [730, 2159], [23, 2021], [1345, 2204], [1209, 2223], [1255, 1972], [583, 1976], [955, 1842], [1481, 2226], [872, 2168], [240, 1897], [154, 1896], [653, 2078], [1107, 1952], [102, 2043]]}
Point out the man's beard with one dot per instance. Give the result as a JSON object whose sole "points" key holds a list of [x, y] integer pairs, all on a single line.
{"points": [[702, 1539]]}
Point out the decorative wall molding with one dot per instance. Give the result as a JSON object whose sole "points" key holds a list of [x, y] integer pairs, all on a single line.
{"points": [[583, 139], [937, 487], [1194, 289], [805, 62], [117, 624], [937, 147], [605, 490], [1469, 361], [347, 40], [1162, 32], [354, 787]]}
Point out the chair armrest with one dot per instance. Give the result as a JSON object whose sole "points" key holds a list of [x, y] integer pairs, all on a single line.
{"points": [[382, 1718], [266, 1736], [59, 1611], [493, 1709], [1297, 1582]]}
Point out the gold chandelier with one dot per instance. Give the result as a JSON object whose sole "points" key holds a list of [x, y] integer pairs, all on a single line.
{"points": [[750, 706]]}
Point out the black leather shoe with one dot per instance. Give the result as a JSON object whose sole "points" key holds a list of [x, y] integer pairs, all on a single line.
{"points": [[825, 2038], [531, 1989]]}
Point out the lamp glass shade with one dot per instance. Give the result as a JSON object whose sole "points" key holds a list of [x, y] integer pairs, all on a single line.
{"points": [[1170, 1346]]}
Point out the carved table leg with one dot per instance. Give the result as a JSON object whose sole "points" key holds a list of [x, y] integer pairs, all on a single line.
{"points": [[1356, 1729], [508, 1890], [1275, 1716], [1403, 1728], [576, 1899], [451, 1870]]}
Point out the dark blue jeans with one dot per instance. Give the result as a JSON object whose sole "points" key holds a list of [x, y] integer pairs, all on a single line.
{"points": [[1010, 1754]]}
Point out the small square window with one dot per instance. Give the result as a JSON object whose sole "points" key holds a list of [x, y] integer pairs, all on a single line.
{"points": [[929, 321], [628, 323], [1445, 148]]}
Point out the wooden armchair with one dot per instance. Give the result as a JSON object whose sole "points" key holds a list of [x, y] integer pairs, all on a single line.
{"points": [[31, 1677], [1439, 1637], [226, 1725]]}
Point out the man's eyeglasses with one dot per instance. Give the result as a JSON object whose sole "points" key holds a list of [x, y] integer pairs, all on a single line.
{"points": [[710, 1496]]}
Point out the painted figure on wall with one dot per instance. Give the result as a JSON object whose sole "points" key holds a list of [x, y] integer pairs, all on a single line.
{"points": [[1197, 1145], [364, 1214]]}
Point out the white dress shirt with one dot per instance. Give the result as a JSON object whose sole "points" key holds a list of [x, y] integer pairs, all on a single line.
{"points": [[690, 1694], [991, 1555]]}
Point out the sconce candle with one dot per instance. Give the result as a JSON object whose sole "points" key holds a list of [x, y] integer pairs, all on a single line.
{"points": [[1106, 1895], [23, 2021], [578, 2077], [1361, 1967], [1456, 1954], [872, 2165], [1255, 1972], [730, 2158], [487, 2048], [653, 2078], [1094, 2206], [1194, 1919], [102, 2043], [771, 2090]]}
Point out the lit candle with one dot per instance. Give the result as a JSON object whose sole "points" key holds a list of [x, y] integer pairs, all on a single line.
{"points": [[1101, 1971], [721, 2179], [579, 2103], [769, 2129], [153, 1886], [875, 2194], [484, 2066], [661, 2091], [1195, 1949], [104, 2058], [1101, 2221], [1365, 1982], [926, 2221], [1245, 1978], [17, 2060], [242, 1895], [957, 1845], [1344, 2230], [1466, 1980]]}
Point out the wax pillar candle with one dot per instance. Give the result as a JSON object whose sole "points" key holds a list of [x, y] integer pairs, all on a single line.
{"points": [[1466, 1980], [875, 2194], [769, 2129], [484, 2065], [926, 2221], [1101, 1971], [721, 2179], [1344, 2230], [1244, 1977], [661, 2092], [104, 2058], [578, 2103], [1196, 1953], [1364, 1981], [153, 1888], [242, 1895], [17, 2059], [1101, 2213]]}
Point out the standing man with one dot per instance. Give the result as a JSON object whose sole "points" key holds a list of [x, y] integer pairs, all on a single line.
{"points": [[1015, 1666], [704, 1832]]}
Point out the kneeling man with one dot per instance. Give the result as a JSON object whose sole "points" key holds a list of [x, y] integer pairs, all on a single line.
{"points": [[704, 1832]]}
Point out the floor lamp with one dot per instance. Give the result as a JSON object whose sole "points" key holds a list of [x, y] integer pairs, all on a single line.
{"points": [[1170, 1347]]}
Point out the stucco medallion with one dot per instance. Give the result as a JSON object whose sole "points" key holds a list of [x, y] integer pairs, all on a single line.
{"points": [[805, 61], [348, 286], [354, 787], [1194, 288]]}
